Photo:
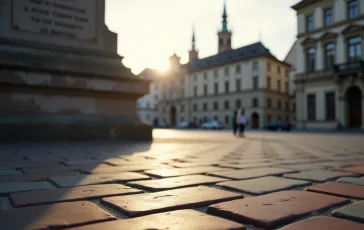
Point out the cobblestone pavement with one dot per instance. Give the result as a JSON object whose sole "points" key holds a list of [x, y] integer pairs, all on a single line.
{"points": [[186, 180]]}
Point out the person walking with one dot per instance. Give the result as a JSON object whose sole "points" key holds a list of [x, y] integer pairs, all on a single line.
{"points": [[241, 120], [234, 122]]}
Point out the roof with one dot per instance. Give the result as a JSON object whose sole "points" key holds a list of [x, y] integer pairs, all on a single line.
{"points": [[303, 4], [149, 74], [226, 57], [292, 49]]}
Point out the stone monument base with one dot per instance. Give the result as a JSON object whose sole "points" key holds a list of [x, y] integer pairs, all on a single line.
{"points": [[65, 127]]}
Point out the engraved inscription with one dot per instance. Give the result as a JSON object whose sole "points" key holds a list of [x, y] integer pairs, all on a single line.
{"points": [[74, 19]]}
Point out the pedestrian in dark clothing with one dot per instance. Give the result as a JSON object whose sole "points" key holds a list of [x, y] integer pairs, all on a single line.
{"points": [[234, 122], [242, 121]]}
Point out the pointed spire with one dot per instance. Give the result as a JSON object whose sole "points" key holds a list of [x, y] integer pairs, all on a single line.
{"points": [[193, 39], [224, 19]]}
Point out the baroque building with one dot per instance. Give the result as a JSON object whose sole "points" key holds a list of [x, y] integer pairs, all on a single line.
{"points": [[329, 63], [208, 88]]}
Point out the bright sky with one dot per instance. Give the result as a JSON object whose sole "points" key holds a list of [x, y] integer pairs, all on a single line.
{"points": [[149, 31]]}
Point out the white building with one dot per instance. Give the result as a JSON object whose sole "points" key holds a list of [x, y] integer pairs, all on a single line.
{"points": [[249, 77], [329, 79], [147, 105], [291, 59]]}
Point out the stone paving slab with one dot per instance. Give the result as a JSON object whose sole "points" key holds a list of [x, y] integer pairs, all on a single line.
{"points": [[353, 211], [251, 173], [248, 166], [55, 216], [311, 166], [194, 164], [78, 180], [48, 170], [149, 203], [126, 168], [28, 164], [339, 189], [352, 180], [175, 182], [274, 209], [7, 172], [323, 223], [355, 162], [34, 177], [319, 175], [184, 171], [70, 194], [176, 220], [263, 185], [9, 187], [355, 170]]}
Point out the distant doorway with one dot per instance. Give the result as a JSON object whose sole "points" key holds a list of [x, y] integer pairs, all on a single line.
{"points": [[255, 121], [173, 116], [354, 107]]}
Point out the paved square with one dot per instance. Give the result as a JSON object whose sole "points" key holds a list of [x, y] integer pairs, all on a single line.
{"points": [[112, 175], [182, 219], [274, 209], [263, 185]]}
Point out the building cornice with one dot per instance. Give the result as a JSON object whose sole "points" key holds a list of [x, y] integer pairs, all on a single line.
{"points": [[335, 25], [304, 3]]}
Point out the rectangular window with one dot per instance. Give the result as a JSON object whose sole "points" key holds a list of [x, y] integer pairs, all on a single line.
{"points": [[216, 105], [227, 119], [269, 103], [238, 69], [255, 65], [216, 74], [205, 75], [279, 104], [226, 71], [255, 83], [195, 77], [238, 104], [268, 83], [182, 108], [278, 70], [216, 88], [309, 23], [204, 106], [287, 87], [268, 66], [194, 107], [329, 55], [352, 9], [205, 90], [287, 106], [328, 17], [226, 105], [354, 49], [226, 87], [311, 107], [255, 102], [330, 106], [310, 60], [279, 85], [294, 107], [195, 91], [238, 85]]}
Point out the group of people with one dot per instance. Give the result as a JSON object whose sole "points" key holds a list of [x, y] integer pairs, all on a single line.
{"points": [[239, 122]]}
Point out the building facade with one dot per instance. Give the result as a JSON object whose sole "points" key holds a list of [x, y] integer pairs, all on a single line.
{"points": [[147, 106], [329, 79], [291, 60], [249, 77]]}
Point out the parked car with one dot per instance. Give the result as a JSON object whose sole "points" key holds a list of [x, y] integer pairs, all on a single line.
{"points": [[213, 124], [164, 125], [187, 125], [278, 125]]}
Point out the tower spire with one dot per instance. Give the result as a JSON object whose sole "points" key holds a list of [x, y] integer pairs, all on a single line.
{"points": [[224, 19], [193, 39]]}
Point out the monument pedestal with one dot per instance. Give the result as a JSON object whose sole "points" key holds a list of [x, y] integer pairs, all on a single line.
{"points": [[61, 77]]}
